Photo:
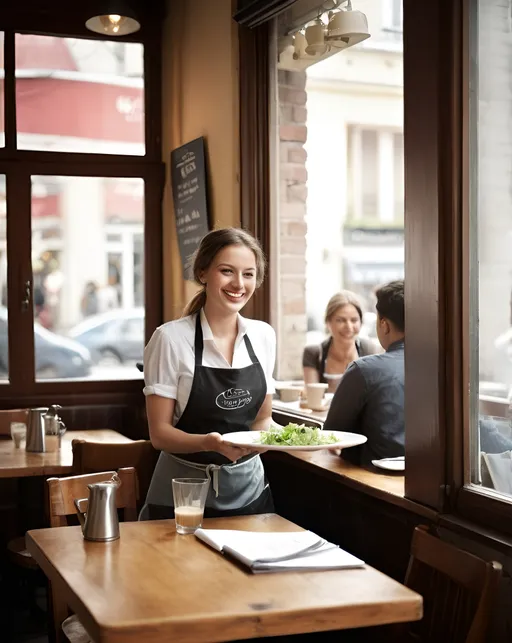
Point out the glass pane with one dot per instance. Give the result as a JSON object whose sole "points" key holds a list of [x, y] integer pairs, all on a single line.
{"points": [[2, 101], [87, 258], [76, 95], [491, 246], [4, 347], [339, 213]]}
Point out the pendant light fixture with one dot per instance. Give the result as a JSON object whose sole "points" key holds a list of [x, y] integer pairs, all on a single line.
{"points": [[116, 19], [346, 28]]}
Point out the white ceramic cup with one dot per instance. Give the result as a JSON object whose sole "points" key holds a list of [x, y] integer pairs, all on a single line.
{"points": [[315, 393], [289, 393]]}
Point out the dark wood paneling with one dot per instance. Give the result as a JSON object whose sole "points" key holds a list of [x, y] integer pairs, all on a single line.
{"points": [[255, 149], [378, 532]]}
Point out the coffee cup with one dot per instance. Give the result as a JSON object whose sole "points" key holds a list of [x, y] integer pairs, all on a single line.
{"points": [[289, 393], [315, 393]]}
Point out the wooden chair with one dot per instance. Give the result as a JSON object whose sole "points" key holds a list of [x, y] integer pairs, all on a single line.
{"points": [[89, 457], [458, 590], [61, 495], [11, 415]]}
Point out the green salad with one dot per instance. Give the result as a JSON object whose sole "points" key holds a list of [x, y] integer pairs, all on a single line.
{"points": [[296, 435]]}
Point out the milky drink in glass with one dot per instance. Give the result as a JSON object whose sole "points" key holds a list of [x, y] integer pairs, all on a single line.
{"points": [[189, 499]]}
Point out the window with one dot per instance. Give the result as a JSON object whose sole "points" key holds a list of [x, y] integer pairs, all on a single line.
{"points": [[84, 281], [393, 16], [82, 183], [490, 236], [376, 175], [77, 95], [2, 73], [338, 219]]}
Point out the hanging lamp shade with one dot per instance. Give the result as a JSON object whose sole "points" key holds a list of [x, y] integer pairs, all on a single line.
{"points": [[116, 19]]}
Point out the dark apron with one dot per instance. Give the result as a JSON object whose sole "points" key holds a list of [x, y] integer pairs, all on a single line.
{"points": [[221, 400]]}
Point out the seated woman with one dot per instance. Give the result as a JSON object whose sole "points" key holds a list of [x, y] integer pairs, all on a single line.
{"points": [[326, 362]]}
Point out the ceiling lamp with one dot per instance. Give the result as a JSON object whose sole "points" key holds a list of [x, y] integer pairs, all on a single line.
{"points": [[347, 28], [116, 20]]}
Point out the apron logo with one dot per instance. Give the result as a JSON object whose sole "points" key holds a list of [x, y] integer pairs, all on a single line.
{"points": [[233, 398]]}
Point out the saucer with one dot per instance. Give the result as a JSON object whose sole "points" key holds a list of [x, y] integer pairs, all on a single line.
{"points": [[390, 464]]}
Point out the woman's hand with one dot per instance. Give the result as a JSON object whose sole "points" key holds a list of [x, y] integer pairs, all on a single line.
{"points": [[215, 442]]}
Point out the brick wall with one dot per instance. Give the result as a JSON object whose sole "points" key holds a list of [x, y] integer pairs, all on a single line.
{"points": [[291, 306]]}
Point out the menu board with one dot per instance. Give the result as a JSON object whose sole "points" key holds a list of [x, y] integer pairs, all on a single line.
{"points": [[188, 180]]}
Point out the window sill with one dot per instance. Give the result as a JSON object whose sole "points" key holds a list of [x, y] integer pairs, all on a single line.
{"points": [[386, 487], [476, 533]]}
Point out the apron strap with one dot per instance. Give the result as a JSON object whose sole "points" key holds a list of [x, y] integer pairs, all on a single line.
{"points": [[198, 341], [208, 469], [211, 470], [250, 350]]}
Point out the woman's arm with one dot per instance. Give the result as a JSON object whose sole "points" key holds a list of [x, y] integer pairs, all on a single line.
{"points": [[166, 437], [264, 417], [311, 375]]}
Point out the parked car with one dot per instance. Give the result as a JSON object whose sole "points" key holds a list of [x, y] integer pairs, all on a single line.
{"points": [[57, 357], [113, 337]]}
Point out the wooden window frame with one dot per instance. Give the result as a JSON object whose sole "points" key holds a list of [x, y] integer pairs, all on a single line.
{"points": [[20, 165], [436, 134]]}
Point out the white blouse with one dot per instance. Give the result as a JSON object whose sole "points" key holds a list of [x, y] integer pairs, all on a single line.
{"points": [[169, 356]]}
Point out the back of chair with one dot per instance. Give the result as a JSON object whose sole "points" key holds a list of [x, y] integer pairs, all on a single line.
{"points": [[62, 492], [11, 415], [458, 590], [89, 457]]}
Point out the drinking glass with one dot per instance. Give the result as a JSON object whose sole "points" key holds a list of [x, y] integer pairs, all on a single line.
{"points": [[189, 499], [18, 433]]}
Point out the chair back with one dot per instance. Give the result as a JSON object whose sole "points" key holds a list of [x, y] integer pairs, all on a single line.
{"points": [[62, 493], [11, 415], [89, 457], [458, 590]]}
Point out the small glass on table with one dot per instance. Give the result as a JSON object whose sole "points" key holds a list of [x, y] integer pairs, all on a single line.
{"points": [[189, 500], [18, 433]]}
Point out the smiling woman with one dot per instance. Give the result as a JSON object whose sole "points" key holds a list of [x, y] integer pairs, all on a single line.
{"points": [[208, 374], [328, 361]]}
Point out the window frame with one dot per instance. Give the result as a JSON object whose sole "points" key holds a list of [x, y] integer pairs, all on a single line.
{"points": [[477, 504], [437, 188], [19, 165]]}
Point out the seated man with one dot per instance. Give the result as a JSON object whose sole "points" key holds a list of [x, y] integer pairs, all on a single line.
{"points": [[370, 396]]}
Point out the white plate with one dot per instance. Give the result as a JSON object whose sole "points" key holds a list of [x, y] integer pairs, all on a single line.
{"points": [[390, 465], [251, 439]]}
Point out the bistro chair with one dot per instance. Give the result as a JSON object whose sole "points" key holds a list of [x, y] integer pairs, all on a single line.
{"points": [[89, 457], [11, 415], [458, 589], [62, 493]]}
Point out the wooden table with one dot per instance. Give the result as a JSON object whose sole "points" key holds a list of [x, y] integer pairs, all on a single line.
{"points": [[18, 463], [154, 585]]}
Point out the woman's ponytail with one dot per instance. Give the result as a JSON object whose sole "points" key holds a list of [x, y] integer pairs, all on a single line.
{"points": [[196, 303]]}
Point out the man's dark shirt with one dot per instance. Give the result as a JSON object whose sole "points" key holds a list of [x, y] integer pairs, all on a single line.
{"points": [[370, 400]]}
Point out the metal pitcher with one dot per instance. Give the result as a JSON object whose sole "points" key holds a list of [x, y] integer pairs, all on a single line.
{"points": [[98, 513], [54, 428], [36, 430]]}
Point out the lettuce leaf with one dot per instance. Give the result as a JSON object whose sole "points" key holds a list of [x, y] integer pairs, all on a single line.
{"points": [[296, 435]]}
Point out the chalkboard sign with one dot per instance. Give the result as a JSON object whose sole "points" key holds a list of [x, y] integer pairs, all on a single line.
{"points": [[188, 179]]}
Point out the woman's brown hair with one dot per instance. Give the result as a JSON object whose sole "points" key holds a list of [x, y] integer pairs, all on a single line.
{"points": [[211, 244], [343, 298]]}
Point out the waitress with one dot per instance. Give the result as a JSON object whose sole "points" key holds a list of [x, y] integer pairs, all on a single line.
{"points": [[208, 374]]}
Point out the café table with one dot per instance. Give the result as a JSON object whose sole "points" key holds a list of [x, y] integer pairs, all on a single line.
{"points": [[18, 463], [155, 585]]}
